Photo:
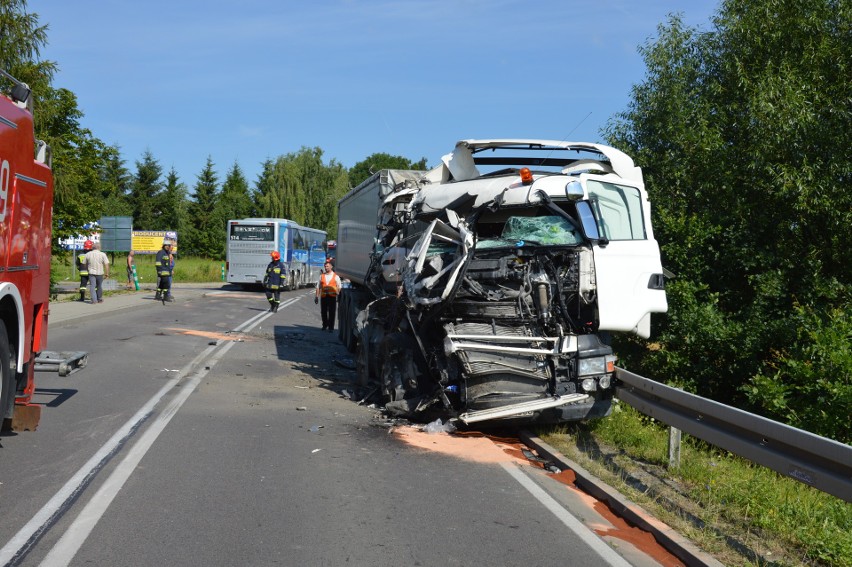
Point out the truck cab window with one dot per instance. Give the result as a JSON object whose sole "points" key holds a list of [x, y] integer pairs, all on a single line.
{"points": [[618, 209]]}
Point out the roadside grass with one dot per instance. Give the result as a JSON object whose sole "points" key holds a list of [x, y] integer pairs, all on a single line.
{"points": [[742, 513], [189, 269]]}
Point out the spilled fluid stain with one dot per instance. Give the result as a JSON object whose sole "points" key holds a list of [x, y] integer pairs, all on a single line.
{"points": [[471, 446], [482, 448], [209, 334]]}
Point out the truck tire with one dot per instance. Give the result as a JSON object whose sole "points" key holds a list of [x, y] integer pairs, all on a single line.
{"points": [[397, 371], [7, 377], [362, 364], [345, 322]]}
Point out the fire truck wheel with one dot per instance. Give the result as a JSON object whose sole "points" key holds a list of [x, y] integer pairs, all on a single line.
{"points": [[7, 378]]}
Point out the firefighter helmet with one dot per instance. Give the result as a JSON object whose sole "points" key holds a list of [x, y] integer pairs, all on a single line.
{"points": [[87, 245], [276, 255]]}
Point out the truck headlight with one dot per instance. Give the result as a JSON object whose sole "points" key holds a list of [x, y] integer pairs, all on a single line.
{"points": [[596, 365], [589, 366]]}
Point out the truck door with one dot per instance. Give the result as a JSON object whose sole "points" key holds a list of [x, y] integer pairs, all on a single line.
{"points": [[628, 271]]}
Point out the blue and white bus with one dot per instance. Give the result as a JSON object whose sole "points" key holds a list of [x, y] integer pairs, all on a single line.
{"points": [[251, 240]]}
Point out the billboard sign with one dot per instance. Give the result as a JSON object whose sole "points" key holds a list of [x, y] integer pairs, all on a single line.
{"points": [[151, 241]]}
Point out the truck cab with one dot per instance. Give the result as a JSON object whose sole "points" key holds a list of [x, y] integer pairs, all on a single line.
{"points": [[499, 275]]}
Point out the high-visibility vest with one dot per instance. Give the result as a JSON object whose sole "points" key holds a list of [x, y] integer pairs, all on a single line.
{"points": [[81, 265], [328, 285]]}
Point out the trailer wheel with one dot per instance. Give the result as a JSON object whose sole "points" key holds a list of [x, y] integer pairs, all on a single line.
{"points": [[7, 377]]}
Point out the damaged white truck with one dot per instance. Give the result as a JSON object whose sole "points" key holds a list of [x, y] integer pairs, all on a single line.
{"points": [[485, 289]]}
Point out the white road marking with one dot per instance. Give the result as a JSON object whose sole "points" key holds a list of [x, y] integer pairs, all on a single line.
{"points": [[597, 544], [68, 546]]}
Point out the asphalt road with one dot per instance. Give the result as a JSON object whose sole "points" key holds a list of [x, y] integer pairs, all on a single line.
{"points": [[211, 432]]}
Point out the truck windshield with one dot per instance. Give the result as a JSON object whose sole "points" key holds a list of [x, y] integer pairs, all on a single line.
{"points": [[548, 230]]}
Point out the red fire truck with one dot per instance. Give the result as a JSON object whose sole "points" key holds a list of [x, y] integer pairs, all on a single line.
{"points": [[26, 203]]}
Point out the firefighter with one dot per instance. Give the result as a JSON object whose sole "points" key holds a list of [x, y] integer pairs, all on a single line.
{"points": [[80, 260], [274, 280], [164, 265], [327, 289]]}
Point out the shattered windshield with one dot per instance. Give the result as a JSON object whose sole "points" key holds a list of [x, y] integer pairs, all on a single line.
{"points": [[548, 230]]}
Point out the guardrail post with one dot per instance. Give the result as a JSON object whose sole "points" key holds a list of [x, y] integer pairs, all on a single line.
{"points": [[674, 447]]}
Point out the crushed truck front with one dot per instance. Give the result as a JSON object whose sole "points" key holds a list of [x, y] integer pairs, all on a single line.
{"points": [[495, 281]]}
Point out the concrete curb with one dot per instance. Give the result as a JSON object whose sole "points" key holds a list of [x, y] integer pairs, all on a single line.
{"points": [[665, 535]]}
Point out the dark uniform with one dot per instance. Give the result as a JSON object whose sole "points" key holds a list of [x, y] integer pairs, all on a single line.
{"points": [[273, 282], [80, 261], [163, 264]]}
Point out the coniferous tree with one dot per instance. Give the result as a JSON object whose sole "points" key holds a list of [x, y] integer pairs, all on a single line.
{"points": [[145, 197], [235, 201], [116, 184], [206, 234], [174, 206], [265, 195]]}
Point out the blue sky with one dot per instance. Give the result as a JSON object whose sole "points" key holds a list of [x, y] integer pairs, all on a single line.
{"points": [[249, 80]]}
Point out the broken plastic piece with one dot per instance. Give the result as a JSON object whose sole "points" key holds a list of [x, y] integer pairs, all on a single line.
{"points": [[438, 426]]}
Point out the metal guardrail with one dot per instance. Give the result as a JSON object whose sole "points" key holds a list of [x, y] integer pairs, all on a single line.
{"points": [[819, 462]]}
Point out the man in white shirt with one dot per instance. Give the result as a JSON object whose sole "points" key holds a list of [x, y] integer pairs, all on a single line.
{"points": [[98, 266]]}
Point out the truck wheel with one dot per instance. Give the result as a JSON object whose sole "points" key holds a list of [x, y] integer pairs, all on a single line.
{"points": [[7, 377], [362, 364], [398, 372], [344, 322]]}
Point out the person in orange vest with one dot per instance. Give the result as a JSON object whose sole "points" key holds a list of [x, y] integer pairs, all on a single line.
{"points": [[327, 289]]}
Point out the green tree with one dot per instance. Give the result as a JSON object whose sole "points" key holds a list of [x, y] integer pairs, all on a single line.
{"points": [[235, 201], [174, 205], [116, 184], [21, 42], [78, 156], [267, 202], [330, 185], [146, 194], [378, 161], [743, 135], [206, 234]]}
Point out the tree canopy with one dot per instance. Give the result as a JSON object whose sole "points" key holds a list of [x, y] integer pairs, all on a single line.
{"points": [[743, 133], [375, 162]]}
